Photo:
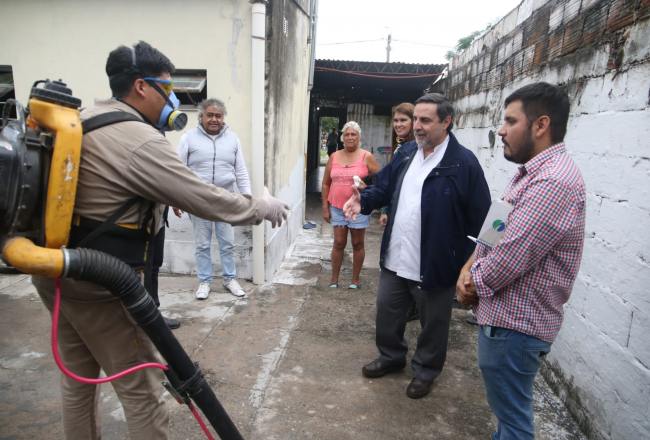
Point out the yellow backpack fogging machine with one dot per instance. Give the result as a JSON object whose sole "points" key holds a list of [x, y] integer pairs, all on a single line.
{"points": [[40, 153], [39, 156]]}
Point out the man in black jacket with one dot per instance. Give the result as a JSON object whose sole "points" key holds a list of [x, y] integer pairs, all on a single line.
{"points": [[438, 195]]}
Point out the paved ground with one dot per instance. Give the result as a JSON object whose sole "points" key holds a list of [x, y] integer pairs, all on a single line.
{"points": [[285, 362]]}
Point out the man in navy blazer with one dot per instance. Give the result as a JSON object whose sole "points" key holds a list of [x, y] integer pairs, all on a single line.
{"points": [[438, 196]]}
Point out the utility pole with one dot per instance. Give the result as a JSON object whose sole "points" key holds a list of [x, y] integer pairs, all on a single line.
{"points": [[388, 48]]}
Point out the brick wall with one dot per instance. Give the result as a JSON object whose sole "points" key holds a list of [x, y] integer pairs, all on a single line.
{"points": [[599, 50]]}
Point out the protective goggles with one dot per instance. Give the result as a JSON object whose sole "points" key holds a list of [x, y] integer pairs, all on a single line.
{"points": [[166, 84]]}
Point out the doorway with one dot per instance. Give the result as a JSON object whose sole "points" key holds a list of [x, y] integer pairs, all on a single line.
{"points": [[330, 137], [321, 122]]}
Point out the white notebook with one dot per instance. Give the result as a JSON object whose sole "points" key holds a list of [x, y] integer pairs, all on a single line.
{"points": [[495, 224]]}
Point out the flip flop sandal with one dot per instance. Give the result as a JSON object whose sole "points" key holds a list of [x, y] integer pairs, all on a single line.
{"points": [[354, 286], [334, 286]]}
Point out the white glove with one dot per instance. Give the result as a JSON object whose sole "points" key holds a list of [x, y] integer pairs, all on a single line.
{"points": [[273, 210]]}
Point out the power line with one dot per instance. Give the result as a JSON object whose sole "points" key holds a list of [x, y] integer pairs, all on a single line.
{"points": [[418, 43], [373, 75], [349, 42], [423, 44]]}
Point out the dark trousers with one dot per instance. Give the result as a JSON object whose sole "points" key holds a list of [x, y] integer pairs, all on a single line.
{"points": [[395, 296], [157, 254]]}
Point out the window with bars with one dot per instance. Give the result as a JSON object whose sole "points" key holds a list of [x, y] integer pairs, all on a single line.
{"points": [[190, 86]]}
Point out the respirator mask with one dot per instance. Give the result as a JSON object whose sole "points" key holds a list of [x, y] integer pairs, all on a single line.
{"points": [[171, 119]]}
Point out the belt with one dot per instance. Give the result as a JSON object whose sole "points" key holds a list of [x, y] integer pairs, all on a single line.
{"points": [[78, 220]]}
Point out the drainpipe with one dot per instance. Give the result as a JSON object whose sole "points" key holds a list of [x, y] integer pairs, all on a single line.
{"points": [[258, 42], [313, 18], [312, 41]]}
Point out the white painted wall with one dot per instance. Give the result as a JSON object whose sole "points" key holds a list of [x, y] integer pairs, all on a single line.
{"points": [[179, 249], [279, 240], [602, 353]]}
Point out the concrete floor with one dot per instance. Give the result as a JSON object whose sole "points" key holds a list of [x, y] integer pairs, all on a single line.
{"points": [[285, 361]]}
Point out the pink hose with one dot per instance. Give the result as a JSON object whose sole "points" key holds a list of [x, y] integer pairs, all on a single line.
{"points": [[64, 369], [96, 381], [198, 418]]}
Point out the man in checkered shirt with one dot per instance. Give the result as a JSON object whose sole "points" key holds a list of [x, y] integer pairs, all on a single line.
{"points": [[519, 286]]}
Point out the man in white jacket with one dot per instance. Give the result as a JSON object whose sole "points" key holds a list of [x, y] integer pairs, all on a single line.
{"points": [[212, 150]]}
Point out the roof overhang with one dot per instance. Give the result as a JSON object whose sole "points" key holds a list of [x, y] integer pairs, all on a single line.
{"points": [[372, 82]]}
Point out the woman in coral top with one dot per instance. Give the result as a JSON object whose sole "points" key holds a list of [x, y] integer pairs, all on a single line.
{"points": [[342, 165]]}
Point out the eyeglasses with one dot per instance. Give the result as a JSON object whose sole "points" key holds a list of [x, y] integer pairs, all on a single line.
{"points": [[166, 84]]}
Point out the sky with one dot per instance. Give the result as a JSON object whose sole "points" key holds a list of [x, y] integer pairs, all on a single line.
{"points": [[422, 30]]}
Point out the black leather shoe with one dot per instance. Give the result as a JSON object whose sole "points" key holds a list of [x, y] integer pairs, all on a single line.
{"points": [[418, 388], [172, 323], [379, 368]]}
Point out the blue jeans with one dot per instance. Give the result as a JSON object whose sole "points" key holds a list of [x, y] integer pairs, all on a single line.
{"points": [[337, 218], [509, 362], [202, 242]]}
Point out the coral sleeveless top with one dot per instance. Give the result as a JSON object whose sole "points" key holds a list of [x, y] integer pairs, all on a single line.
{"points": [[341, 187]]}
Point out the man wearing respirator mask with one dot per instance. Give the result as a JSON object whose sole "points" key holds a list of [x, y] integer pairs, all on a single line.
{"points": [[127, 170]]}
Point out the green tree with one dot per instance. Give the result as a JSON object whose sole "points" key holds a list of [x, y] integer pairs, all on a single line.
{"points": [[464, 43], [329, 122]]}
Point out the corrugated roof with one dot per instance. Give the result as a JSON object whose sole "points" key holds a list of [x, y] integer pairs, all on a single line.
{"points": [[380, 67], [372, 82]]}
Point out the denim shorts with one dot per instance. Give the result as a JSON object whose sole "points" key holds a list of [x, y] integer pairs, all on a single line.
{"points": [[337, 218]]}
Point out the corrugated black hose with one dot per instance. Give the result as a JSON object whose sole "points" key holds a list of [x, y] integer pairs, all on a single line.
{"points": [[119, 279]]}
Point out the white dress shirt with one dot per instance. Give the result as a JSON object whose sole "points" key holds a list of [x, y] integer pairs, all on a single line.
{"points": [[403, 256]]}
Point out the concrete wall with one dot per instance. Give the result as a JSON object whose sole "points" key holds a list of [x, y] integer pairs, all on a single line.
{"points": [[287, 112], [600, 52]]}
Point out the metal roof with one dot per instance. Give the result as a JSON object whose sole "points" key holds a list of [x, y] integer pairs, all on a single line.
{"points": [[372, 82]]}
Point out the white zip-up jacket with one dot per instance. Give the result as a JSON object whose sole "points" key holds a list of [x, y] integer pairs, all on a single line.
{"points": [[216, 159]]}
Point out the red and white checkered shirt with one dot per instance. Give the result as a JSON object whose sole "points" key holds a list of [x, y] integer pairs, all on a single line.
{"points": [[523, 282]]}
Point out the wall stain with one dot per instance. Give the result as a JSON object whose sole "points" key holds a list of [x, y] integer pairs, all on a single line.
{"points": [[570, 394], [237, 25]]}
